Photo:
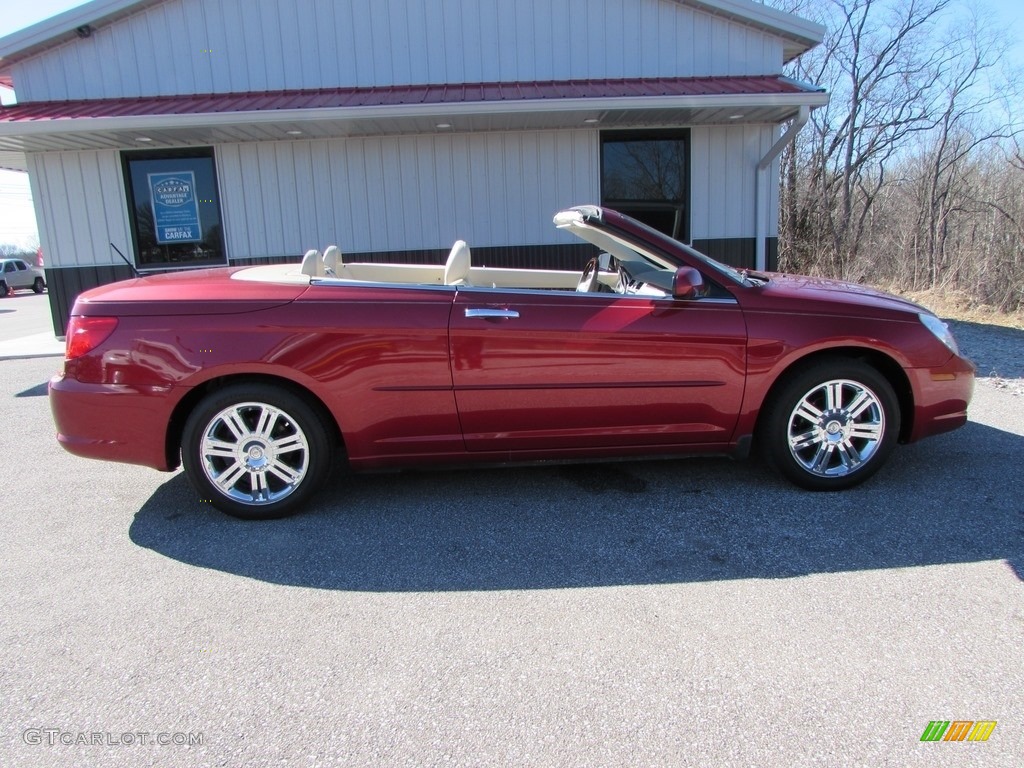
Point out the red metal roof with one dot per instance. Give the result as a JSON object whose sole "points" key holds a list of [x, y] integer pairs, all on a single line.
{"points": [[268, 101]]}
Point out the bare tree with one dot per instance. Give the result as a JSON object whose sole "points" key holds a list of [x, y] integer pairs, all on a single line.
{"points": [[878, 67], [917, 159]]}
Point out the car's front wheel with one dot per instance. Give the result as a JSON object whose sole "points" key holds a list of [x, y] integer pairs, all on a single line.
{"points": [[5, 289], [832, 425], [255, 451]]}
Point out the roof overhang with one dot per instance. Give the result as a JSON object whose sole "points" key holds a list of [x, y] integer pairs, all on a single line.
{"points": [[57, 30], [798, 34], [179, 121]]}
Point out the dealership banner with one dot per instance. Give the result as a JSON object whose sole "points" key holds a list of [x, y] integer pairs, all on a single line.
{"points": [[175, 207]]}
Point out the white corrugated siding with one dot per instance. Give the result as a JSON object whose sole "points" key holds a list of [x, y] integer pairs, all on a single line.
{"points": [[722, 180], [394, 193], [81, 207], [204, 46], [405, 192]]}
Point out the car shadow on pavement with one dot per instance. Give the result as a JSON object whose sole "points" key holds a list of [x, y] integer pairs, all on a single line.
{"points": [[611, 524], [39, 390]]}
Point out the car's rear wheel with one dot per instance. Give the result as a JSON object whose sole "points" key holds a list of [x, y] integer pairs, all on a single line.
{"points": [[38, 285], [255, 451], [832, 425]]}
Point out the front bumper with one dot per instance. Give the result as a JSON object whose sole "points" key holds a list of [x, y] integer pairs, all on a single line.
{"points": [[941, 397]]}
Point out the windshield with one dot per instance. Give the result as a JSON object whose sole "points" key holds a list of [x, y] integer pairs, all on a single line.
{"points": [[716, 266], [610, 231]]}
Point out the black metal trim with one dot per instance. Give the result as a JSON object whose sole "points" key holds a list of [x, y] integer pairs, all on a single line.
{"points": [[740, 252]]}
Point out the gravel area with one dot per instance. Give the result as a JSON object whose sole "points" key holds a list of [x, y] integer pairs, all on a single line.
{"points": [[997, 351]]}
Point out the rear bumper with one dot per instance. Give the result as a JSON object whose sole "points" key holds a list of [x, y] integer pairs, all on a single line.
{"points": [[941, 397], [112, 422]]}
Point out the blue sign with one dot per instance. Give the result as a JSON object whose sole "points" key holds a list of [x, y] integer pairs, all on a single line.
{"points": [[175, 207]]}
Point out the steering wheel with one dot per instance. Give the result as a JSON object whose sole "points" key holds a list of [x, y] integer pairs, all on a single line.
{"points": [[589, 282]]}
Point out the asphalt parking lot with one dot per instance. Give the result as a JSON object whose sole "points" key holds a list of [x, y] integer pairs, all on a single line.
{"points": [[667, 613]]}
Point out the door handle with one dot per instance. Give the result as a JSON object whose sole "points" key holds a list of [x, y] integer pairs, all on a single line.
{"points": [[493, 313]]}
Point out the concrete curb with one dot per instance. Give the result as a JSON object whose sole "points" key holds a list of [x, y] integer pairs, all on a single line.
{"points": [[35, 345]]}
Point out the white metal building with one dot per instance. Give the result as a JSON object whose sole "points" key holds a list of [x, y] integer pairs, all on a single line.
{"points": [[198, 132]]}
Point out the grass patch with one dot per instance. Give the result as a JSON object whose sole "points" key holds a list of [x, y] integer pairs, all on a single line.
{"points": [[959, 305]]}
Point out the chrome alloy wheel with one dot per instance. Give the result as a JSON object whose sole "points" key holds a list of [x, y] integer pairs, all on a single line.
{"points": [[254, 453], [836, 428]]}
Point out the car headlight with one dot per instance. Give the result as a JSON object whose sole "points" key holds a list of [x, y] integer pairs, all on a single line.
{"points": [[941, 331]]}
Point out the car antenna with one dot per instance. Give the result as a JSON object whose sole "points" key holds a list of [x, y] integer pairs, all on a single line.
{"points": [[131, 266]]}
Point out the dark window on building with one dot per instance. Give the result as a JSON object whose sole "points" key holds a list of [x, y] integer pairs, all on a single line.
{"points": [[645, 174], [174, 208]]}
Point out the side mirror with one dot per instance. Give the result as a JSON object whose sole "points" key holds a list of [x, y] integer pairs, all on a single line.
{"points": [[687, 284]]}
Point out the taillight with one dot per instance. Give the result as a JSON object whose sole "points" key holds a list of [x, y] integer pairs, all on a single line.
{"points": [[85, 333]]}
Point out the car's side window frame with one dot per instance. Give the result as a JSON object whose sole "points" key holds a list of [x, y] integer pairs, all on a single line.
{"points": [[469, 288]]}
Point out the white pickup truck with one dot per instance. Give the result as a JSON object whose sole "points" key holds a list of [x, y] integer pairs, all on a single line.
{"points": [[16, 275]]}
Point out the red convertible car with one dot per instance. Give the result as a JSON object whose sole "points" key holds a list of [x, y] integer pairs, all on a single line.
{"points": [[259, 379]]}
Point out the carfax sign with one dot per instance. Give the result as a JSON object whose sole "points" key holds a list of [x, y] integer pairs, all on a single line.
{"points": [[175, 207]]}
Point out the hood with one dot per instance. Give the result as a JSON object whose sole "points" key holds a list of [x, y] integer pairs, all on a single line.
{"points": [[819, 291]]}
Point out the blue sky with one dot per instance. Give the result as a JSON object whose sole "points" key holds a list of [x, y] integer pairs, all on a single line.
{"points": [[25, 14], [17, 218]]}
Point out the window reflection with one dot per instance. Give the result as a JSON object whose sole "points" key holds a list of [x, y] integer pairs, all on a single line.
{"points": [[644, 174]]}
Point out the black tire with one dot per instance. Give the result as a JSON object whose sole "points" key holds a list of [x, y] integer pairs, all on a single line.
{"points": [[38, 286], [4, 289], [254, 474], [843, 445]]}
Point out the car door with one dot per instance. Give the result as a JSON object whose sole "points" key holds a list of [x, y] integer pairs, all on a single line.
{"points": [[22, 277], [542, 370], [10, 274], [381, 354]]}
